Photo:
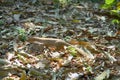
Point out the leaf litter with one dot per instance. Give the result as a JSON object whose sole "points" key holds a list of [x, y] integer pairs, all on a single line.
{"points": [[73, 24]]}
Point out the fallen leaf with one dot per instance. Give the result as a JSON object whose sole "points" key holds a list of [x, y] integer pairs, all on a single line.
{"points": [[103, 75], [16, 17], [23, 76]]}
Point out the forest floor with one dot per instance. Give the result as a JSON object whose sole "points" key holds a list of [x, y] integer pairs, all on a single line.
{"points": [[34, 40]]}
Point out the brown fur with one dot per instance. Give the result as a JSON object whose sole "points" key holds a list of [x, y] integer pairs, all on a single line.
{"points": [[58, 43]]}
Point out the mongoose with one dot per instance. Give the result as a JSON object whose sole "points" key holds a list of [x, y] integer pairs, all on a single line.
{"points": [[58, 43]]}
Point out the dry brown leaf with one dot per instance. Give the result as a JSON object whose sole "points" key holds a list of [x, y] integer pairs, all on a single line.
{"points": [[28, 25]]}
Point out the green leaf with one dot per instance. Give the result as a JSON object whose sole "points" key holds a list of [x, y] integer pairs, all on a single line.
{"points": [[89, 69], [114, 11], [106, 6], [72, 50], [115, 21], [22, 34], [109, 1], [118, 6], [1, 22]]}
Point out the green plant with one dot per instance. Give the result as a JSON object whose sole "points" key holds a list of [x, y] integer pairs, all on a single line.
{"points": [[108, 4], [22, 34], [88, 68], [1, 22], [72, 50], [113, 6]]}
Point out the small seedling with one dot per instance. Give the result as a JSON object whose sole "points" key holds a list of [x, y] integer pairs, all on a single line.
{"points": [[22, 34]]}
